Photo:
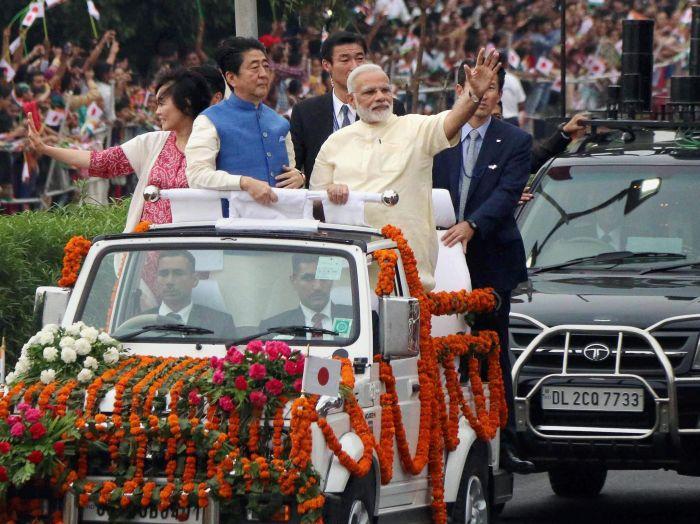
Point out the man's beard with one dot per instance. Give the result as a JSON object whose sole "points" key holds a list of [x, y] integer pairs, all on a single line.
{"points": [[373, 117]]}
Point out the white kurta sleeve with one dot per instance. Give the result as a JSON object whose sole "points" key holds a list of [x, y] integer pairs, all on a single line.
{"points": [[201, 152], [289, 146], [431, 134], [322, 175]]}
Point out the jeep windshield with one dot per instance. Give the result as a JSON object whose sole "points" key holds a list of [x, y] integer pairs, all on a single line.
{"points": [[610, 215], [215, 295]]}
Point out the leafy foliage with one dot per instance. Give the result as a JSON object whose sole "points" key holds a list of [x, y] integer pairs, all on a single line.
{"points": [[32, 254]]}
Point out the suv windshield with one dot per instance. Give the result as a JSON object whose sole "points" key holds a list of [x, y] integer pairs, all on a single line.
{"points": [[584, 211], [219, 295]]}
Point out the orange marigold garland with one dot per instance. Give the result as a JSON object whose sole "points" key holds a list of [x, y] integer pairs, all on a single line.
{"points": [[142, 227], [74, 253]]}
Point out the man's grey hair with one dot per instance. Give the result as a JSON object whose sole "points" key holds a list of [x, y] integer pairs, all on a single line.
{"points": [[364, 68]]}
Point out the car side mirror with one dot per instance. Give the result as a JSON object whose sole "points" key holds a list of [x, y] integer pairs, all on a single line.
{"points": [[399, 327], [50, 305]]}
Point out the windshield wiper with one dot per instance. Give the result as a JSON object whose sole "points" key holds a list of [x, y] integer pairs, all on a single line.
{"points": [[284, 330], [611, 256], [670, 267], [178, 328]]}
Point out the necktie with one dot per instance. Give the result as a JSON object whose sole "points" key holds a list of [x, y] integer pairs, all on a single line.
{"points": [[174, 317], [317, 322], [346, 117], [467, 167]]}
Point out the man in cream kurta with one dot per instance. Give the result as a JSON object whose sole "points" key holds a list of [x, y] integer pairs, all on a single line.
{"points": [[384, 151], [396, 154]]}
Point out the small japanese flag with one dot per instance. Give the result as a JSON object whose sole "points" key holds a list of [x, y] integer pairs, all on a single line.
{"points": [[92, 10], [597, 67], [513, 59], [36, 10], [14, 45], [556, 85], [6, 70], [54, 118], [544, 65], [687, 17], [53, 3], [25, 172], [94, 112], [321, 376]]}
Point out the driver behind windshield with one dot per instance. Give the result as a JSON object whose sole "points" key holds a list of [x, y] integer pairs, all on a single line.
{"points": [[315, 309], [175, 280]]}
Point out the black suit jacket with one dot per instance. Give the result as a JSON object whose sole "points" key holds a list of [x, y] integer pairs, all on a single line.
{"points": [[548, 148], [311, 124], [205, 317], [495, 256], [295, 317]]}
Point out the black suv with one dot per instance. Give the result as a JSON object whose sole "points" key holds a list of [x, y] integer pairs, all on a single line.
{"points": [[606, 329]]}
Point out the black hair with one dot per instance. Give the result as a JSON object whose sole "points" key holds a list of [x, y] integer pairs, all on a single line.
{"points": [[294, 87], [302, 258], [189, 90], [213, 77], [229, 54], [5, 90], [341, 38], [172, 253], [102, 69], [462, 75]]}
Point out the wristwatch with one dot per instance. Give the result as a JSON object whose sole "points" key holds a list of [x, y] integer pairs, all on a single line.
{"points": [[475, 98], [472, 224]]}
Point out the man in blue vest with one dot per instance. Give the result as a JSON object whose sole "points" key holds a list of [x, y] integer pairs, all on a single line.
{"points": [[240, 143]]}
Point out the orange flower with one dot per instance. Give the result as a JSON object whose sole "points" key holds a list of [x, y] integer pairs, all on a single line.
{"points": [[74, 253]]}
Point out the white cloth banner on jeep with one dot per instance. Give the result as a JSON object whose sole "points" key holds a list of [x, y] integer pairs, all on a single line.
{"points": [[321, 376], [350, 214], [291, 204]]}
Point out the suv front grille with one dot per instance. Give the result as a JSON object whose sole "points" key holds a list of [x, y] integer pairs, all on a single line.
{"points": [[637, 358]]}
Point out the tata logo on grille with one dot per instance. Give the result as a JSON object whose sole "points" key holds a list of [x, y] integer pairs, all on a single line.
{"points": [[596, 352]]}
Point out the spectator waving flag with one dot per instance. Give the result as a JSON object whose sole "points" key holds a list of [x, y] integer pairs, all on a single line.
{"points": [[54, 118], [53, 3], [544, 65], [94, 112], [14, 45], [6, 70], [513, 59], [92, 10], [321, 376], [36, 10]]}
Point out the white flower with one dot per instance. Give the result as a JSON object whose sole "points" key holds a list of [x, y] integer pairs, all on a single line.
{"points": [[68, 355], [84, 375], [25, 348], [45, 338], [67, 342], [32, 341], [111, 356], [11, 377], [48, 376], [50, 328], [74, 330], [105, 338], [82, 346], [91, 362], [22, 365], [50, 353], [89, 333]]}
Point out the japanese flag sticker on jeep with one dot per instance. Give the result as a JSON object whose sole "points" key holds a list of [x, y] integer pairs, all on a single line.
{"points": [[342, 326], [321, 376]]}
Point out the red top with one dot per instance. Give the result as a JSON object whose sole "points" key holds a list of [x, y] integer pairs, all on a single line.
{"points": [[168, 172]]}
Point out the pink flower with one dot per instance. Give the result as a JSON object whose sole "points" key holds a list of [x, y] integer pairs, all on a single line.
{"points": [[254, 347], [194, 398], [234, 356], [300, 366], [297, 385], [271, 351], [218, 377], [216, 362], [13, 419], [37, 430], [274, 386], [257, 371], [17, 430], [23, 406], [226, 403], [285, 351], [290, 367], [3, 474], [59, 447], [5, 448], [258, 399], [241, 383], [32, 415]]}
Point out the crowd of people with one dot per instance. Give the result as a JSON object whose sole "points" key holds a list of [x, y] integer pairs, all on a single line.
{"points": [[90, 98]]}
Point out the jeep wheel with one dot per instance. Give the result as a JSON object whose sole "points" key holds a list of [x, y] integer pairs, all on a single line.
{"points": [[472, 504], [577, 481], [356, 505]]}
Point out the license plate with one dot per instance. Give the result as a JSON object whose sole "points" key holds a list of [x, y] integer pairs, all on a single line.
{"points": [[92, 513], [592, 399]]}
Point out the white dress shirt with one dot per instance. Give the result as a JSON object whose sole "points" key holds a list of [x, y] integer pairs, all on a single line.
{"points": [[338, 114], [184, 313]]}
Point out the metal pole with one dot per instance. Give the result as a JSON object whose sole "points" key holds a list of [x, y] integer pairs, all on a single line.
{"points": [[562, 56], [246, 18]]}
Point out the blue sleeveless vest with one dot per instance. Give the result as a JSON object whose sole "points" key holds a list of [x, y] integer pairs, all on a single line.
{"points": [[252, 140]]}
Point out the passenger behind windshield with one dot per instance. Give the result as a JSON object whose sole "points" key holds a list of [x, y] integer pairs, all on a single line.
{"points": [[313, 287], [175, 280]]}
